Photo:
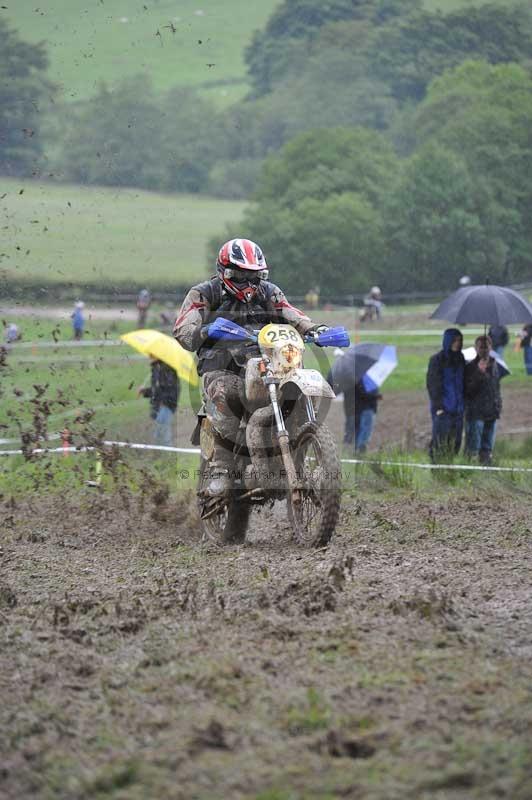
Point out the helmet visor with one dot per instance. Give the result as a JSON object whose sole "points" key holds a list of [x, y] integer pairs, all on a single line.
{"points": [[245, 277]]}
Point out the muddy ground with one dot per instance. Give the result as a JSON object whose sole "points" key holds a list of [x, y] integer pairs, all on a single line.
{"points": [[137, 663]]}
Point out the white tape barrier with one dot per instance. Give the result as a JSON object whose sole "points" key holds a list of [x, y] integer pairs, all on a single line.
{"points": [[196, 451], [89, 449], [472, 467]]}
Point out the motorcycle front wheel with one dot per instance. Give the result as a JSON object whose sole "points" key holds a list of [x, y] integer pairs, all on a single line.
{"points": [[313, 511], [229, 524]]}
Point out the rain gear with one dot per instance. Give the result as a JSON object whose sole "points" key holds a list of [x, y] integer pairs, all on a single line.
{"points": [[445, 385], [445, 377]]}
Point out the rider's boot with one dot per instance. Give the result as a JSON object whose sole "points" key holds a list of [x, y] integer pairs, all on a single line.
{"points": [[219, 486]]}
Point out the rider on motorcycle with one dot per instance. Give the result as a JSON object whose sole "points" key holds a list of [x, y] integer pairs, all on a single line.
{"points": [[242, 293]]}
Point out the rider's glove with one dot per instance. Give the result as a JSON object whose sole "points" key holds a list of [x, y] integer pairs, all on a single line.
{"points": [[317, 330]]}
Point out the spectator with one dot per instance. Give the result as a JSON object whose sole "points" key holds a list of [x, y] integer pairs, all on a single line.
{"points": [[360, 408], [482, 401], [78, 320], [167, 319], [312, 297], [445, 385], [12, 333], [163, 393], [143, 304], [372, 305], [499, 338], [525, 343]]}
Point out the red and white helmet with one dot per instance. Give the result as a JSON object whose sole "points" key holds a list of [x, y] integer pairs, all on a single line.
{"points": [[241, 266]]}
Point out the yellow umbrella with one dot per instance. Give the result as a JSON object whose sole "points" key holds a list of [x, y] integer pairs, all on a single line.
{"points": [[163, 347]]}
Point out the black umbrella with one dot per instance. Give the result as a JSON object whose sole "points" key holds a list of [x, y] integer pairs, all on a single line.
{"points": [[349, 368], [485, 304]]}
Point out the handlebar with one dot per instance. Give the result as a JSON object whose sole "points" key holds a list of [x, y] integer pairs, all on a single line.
{"points": [[223, 329]]}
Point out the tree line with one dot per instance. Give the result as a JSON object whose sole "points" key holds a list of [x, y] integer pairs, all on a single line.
{"points": [[379, 142]]}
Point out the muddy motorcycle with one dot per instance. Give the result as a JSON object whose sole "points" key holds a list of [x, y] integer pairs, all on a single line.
{"points": [[283, 450]]}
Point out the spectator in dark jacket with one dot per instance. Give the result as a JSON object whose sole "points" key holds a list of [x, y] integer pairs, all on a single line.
{"points": [[483, 401], [499, 338], [360, 408], [163, 393], [525, 338], [445, 385], [143, 304]]}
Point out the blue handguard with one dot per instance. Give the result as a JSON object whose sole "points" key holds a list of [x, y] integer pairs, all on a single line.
{"points": [[224, 329], [332, 337]]}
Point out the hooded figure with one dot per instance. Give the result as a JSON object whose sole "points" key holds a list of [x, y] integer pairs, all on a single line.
{"points": [[445, 385]]}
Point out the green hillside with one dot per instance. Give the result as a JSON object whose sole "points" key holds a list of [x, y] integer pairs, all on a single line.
{"points": [[58, 234], [94, 40], [451, 5], [201, 42]]}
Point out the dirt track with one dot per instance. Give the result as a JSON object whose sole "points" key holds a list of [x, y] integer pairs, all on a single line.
{"points": [[136, 663]]}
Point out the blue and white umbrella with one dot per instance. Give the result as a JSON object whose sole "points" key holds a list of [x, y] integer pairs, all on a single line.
{"points": [[470, 353], [377, 374], [368, 361]]}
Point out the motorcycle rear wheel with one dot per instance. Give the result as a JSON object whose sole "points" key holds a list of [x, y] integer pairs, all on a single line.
{"points": [[229, 526], [315, 516]]}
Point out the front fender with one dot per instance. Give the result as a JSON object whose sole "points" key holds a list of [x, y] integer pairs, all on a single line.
{"points": [[310, 382]]}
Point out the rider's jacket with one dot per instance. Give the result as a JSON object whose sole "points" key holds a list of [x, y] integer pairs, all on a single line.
{"points": [[209, 300]]}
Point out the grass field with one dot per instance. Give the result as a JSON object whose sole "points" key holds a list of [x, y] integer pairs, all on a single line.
{"points": [[451, 5], [54, 385], [60, 234], [90, 42], [105, 378]]}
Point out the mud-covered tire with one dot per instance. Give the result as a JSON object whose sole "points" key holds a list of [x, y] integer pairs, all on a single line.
{"points": [[314, 519], [229, 527]]}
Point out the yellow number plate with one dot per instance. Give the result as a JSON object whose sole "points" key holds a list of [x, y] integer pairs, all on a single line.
{"points": [[272, 336]]}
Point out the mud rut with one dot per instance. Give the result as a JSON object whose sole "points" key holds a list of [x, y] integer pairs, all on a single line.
{"points": [[135, 662]]}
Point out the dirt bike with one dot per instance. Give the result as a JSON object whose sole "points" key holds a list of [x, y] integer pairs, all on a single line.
{"points": [[283, 450]]}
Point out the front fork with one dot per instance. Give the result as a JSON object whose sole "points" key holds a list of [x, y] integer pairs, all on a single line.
{"points": [[294, 485]]}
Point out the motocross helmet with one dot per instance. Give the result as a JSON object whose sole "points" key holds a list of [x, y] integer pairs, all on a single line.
{"points": [[241, 266]]}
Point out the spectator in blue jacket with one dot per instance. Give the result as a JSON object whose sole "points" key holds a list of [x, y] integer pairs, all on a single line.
{"points": [[78, 320], [445, 385], [360, 407]]}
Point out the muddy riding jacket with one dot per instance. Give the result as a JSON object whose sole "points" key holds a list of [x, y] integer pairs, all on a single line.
{"points": [[209, 300]]}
